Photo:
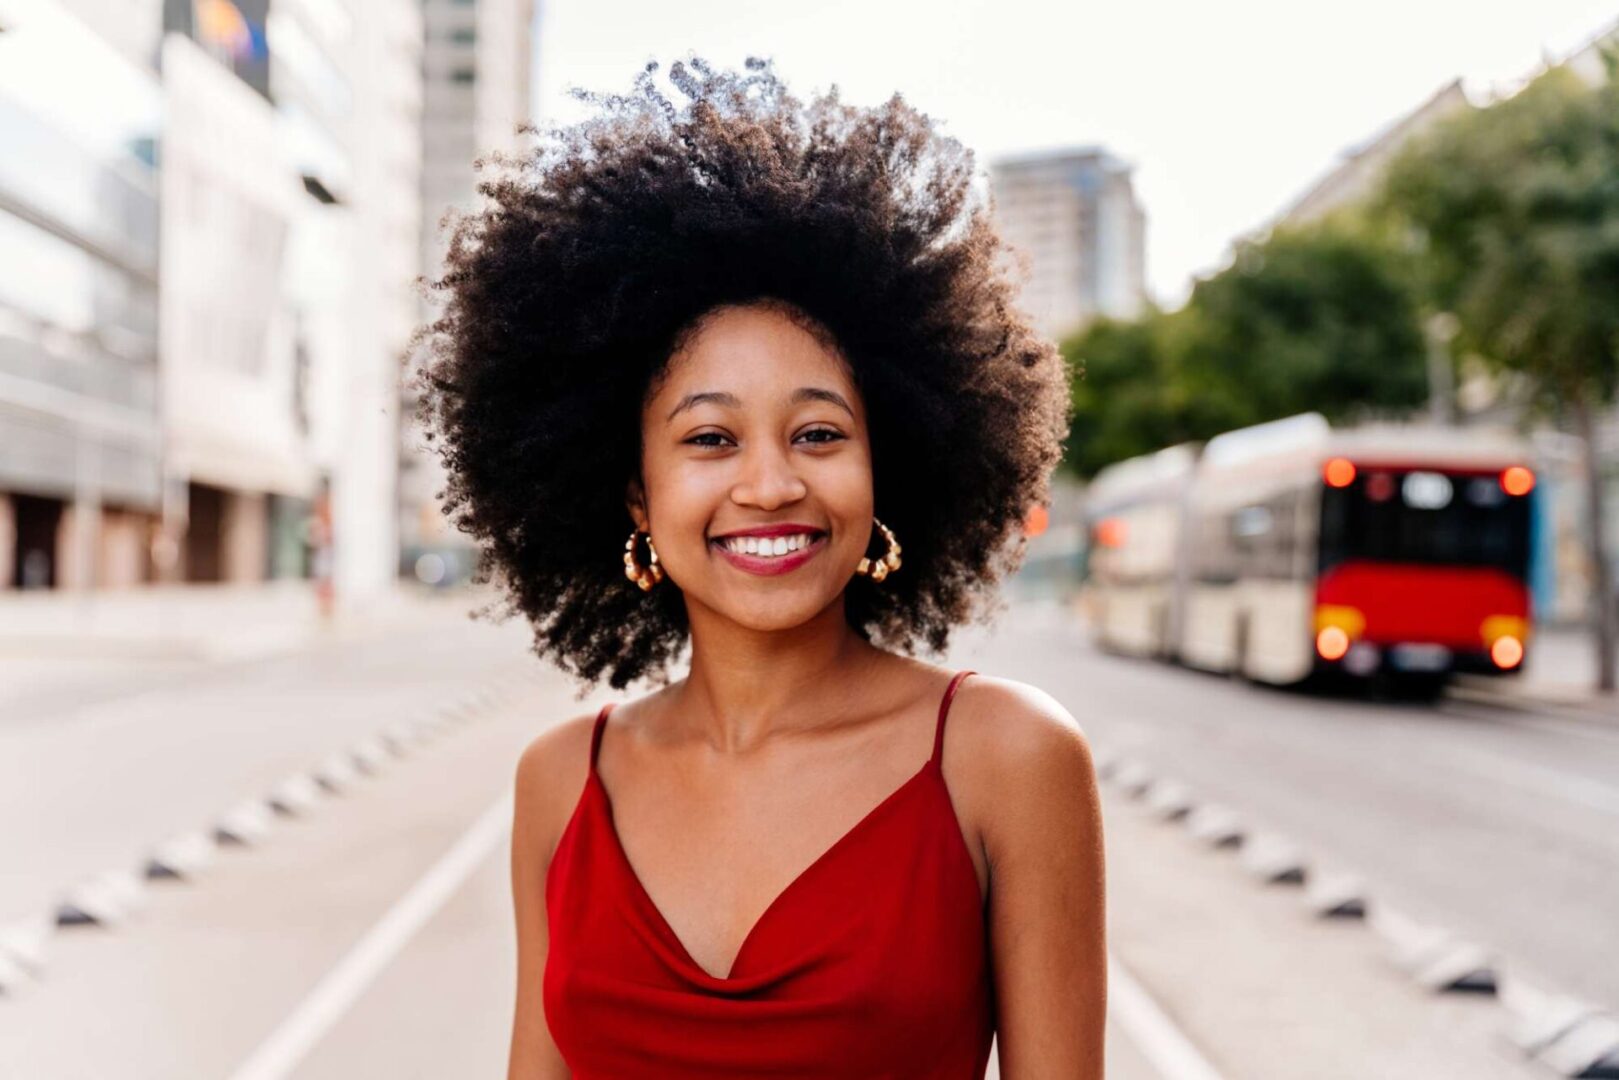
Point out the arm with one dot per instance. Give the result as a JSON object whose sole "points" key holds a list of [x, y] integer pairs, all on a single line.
{"points": [[550, 771], [1043, 842]]}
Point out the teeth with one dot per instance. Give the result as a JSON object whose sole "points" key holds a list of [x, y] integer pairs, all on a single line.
{"points": [[766, 546]]}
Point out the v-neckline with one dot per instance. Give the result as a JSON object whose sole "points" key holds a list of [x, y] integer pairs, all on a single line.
{"points": [[730, 977]]}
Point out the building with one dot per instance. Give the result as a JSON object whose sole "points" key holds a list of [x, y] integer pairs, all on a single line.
{"points": [[293, 140], [476, 85], [81, 478], [261, 355], [1072, 215], [476, 73]]}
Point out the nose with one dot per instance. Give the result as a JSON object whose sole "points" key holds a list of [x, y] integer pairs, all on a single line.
{"points": [[768, 479]]}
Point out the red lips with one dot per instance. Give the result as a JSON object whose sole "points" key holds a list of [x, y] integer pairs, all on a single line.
{"points": [[770, 565]]}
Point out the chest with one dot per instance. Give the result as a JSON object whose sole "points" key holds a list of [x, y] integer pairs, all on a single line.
{"points": [[715, 867]]}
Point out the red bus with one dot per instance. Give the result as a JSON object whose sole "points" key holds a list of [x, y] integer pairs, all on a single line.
{"points": [[1292, 550]]}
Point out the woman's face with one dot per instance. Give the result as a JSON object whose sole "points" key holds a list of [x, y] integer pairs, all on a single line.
{"points": [[756, 439]]}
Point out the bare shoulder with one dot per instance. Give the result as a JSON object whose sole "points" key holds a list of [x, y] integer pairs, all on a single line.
{"points": [[551, 773], [1024, 758], [1014, 729]]}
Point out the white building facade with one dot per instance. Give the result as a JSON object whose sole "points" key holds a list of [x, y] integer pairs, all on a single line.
{"points": [[281, 182]]}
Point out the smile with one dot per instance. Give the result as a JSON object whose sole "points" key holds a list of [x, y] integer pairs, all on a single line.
{"points": [[769, 554]]}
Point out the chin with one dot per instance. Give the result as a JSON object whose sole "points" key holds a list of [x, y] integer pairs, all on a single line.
{"points": [[789, 614]]}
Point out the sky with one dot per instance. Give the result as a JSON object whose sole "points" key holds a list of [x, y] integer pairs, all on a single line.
{"points": [[1228, 111]]}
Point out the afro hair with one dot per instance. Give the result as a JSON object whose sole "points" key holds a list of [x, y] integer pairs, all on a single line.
{"points": [[593, 254]]}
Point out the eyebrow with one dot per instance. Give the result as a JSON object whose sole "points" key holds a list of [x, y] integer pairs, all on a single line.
{"points": [[731, 401]]}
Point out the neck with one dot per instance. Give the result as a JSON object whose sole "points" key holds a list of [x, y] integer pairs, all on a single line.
{"points": [[747, 685]]}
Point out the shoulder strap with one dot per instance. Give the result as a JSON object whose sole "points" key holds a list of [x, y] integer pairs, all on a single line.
{"points": [[944, 710], [596, 733]]}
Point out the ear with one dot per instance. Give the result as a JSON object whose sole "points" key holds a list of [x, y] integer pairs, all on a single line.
{"points": [[635, 503]]}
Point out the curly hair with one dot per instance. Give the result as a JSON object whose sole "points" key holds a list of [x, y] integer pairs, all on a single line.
{"points": [[596, 254]]}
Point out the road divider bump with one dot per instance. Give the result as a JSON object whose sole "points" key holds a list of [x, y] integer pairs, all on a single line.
{"points": [[1132, 778], [369, 755], [399, 738], [12, 975], [336, 773], [1337, 896], [424, 729], [23, 943], [1275, 860], [1541, 1018], [110, 898], [181, 857], [1589, 1050], [1434, 956], [1169, 801], [1216, 825], [295, 796], [245, 824]]}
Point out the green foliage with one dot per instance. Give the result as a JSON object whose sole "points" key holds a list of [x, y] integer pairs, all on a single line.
{"points": [[1321, 318], [1514, 212]]}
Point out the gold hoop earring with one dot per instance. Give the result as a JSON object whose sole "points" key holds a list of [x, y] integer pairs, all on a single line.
{"points": [[880, 568], [652, 573]]}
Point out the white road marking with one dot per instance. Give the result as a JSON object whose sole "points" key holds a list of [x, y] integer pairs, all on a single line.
{"points": [[1152, 1032], [277, 1055]]}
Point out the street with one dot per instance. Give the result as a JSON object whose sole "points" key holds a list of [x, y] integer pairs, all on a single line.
{"points": [[369, 933]]}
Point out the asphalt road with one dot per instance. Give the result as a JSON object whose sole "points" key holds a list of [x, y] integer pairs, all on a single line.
{"points": [[1501, 825], [372, 935]]}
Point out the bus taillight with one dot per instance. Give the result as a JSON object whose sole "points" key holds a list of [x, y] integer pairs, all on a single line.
{"points": [[1506, 652], [1332, 643], [1517, 480], [1336, 628], [1339, 472]]}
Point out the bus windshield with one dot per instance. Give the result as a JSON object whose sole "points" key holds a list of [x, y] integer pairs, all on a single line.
{"points": [[1450, 519]]}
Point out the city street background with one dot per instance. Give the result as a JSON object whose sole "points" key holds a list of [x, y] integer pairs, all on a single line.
{"points": [[1329, 575]]}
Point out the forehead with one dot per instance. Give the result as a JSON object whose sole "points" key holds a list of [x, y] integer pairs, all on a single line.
{"points": [[757, 349]]}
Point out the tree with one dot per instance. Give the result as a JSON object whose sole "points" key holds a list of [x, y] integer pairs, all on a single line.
{"points": [[1317, 319], [1514, 212], [1123, 397]]}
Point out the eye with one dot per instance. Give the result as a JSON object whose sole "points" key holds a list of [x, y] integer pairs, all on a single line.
{"points": [[822, 435], [707, 439]]}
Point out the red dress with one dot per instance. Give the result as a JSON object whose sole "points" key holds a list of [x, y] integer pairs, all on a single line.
{"points": [[873, 962]]}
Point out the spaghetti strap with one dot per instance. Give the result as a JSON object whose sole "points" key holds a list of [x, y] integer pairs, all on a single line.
{"points": [[944, 710], [596, 733]]}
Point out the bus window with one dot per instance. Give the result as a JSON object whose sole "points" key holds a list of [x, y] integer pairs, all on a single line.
{"points": [[1420, 516]]}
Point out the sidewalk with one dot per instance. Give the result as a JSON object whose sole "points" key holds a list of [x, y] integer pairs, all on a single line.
{"points": [[200, 622]]}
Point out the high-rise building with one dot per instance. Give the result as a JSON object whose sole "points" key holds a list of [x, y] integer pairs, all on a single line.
{"points": [[476, 70], [476, 91], [1073, 215]]}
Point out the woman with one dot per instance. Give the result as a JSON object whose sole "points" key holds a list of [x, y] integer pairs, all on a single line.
{"points": [[745, 375]]}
